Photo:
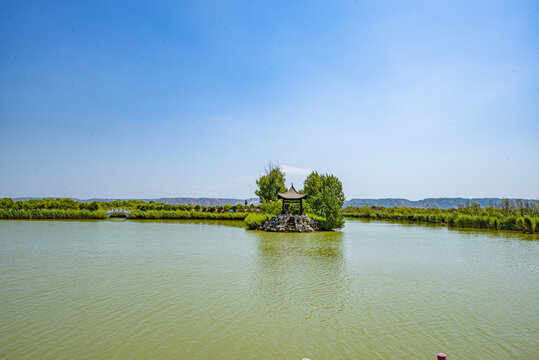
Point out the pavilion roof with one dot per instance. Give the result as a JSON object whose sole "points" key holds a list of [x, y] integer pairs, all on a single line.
{"points": [[291, 194]]}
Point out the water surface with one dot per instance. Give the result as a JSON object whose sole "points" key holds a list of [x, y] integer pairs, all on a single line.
{"points": [[212, 290]]}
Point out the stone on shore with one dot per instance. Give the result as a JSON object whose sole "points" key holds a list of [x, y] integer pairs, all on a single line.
{"points": [[290, 223]]}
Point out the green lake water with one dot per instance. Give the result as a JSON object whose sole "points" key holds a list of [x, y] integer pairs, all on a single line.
{"points": [[213, 290]]}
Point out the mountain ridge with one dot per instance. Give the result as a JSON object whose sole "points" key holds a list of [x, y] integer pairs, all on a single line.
{"points": [[166, 200], [442, 203]]}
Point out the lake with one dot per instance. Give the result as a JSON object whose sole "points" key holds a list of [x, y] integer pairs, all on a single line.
{"points": [[213, 290]]}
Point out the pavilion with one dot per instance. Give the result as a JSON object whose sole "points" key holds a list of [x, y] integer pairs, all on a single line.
{"points": [[292, 196]]}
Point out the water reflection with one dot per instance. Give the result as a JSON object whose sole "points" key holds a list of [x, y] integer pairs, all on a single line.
{"points": [[497, 234], [505, 234], [318, 245], [301, 276]]}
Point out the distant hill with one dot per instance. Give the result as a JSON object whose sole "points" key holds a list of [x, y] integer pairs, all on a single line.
{"points": [[173, 201], [442, 203], [202, 201]]}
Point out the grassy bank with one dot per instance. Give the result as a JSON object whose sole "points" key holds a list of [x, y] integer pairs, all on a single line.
{"points": [[51, 214], [255, 220], [193, 215], [70, 204], [525, 220], [71, 209]]}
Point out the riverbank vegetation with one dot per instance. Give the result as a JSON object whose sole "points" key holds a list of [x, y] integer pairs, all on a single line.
{"points": [[179, 215], [51, 214], [256, 220], [513, 216], [64, 208]]}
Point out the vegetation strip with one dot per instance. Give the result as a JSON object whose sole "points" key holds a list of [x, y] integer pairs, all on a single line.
{"points": [[41, 209], [523, 217]]}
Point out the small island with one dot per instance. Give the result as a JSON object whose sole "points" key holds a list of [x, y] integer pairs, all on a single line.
{"points": [[284, 211], [287, 221]]}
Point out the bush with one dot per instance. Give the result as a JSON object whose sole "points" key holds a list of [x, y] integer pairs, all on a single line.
{"points": [[441, 219], [272, 207], [529, 224], [185, 215], [322, 222], [490, 218], [494, 223], [508, 223], [256, 220], [525, 224], [50, 214], [463, 221]]}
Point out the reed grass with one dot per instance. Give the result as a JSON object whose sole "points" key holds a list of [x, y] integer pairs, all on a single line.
{"points": [[41, 214], [256, 220], [449, 217], [178, 215], [44, 214]]}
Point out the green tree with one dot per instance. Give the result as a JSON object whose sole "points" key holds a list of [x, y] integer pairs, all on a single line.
{"points": [[6, 203], [271, 183], [93, 206], [326, 198]]}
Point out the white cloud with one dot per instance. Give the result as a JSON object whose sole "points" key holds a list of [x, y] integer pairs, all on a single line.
{"points": [[291, 170]]}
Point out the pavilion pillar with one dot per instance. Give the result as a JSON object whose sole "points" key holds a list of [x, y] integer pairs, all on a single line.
{"points": [[301, 206]]}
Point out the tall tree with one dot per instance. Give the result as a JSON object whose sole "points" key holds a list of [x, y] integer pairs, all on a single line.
{"points": [[271, 183], [326, 197]]}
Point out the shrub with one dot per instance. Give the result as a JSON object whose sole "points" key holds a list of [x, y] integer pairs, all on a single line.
{"points": [[490, 218], [483, 222], [322, 222], [185, 215], [256, 220], [463, 221], [494, 223], [508, 223], [520, 224], [526, 224], [272, 207], [51, 214], [529, 224]]}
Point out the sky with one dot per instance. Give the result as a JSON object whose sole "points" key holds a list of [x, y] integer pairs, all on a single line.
{"points": [[148, 99]]}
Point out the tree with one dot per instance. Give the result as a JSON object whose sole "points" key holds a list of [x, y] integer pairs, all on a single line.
{"points": [[271, 183], [326, 198], [6, 203], [93, 206]]}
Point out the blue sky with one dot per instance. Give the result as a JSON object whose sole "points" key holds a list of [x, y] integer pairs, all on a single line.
{"points": [[131, 99]]}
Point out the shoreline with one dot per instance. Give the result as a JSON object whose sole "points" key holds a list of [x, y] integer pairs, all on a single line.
{"points": [[534, 235]]}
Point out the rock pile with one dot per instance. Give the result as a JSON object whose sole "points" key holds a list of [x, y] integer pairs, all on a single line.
{"points": [[290, 223]]}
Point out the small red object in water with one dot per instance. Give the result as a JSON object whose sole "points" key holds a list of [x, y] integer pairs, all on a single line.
{"points": [[442, 356]]}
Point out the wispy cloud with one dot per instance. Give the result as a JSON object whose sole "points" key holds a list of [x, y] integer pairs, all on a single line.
{"points": [[292, 170]]}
